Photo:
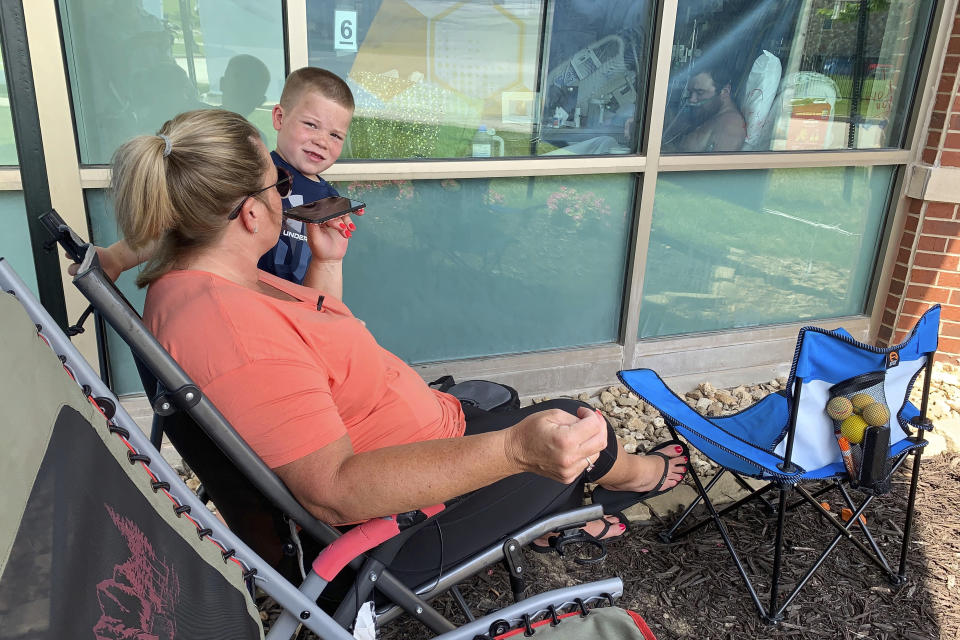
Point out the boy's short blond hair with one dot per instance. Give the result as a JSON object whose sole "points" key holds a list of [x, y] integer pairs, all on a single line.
{"points": [[327, 84]]}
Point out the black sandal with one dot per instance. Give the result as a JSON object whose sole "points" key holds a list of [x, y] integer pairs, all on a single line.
{"points": [[577, 536], [616, 501]]}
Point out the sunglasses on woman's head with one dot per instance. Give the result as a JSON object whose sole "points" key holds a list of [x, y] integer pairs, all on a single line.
{"points": [[284, 185]]}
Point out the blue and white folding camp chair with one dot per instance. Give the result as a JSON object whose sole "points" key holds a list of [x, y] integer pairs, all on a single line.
{"points": [[788, 439]]}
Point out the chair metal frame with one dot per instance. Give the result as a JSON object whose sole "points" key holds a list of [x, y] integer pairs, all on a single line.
{"points": [[299, 605], [790, 481], [112, 307]]}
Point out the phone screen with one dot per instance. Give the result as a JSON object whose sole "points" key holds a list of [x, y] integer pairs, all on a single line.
{"points": [[323, 209]]}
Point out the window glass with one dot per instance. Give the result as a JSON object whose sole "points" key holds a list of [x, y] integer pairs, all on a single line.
{"points": [[761, 75], [124, 378], [741, 248], [135, 64], [446, 79], [8, 144], [15, 240], [448, 269]]}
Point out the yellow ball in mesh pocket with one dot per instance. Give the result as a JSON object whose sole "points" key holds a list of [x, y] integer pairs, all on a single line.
{"points": [[876, 414], [861, 401], [852, 429], [839, 408]]}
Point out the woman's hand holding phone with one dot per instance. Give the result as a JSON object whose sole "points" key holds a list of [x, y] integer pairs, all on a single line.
{"points": [[328, 240]]}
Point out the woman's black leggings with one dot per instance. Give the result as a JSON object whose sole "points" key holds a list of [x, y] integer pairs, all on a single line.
{"points": [[477, 519]]}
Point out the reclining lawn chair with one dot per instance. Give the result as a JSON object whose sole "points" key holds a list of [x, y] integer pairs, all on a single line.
{"points": [[100, 534], [254, 501], [789, 440]]}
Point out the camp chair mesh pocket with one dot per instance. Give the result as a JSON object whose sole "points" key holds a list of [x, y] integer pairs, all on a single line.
{"points": [[865, 406]]}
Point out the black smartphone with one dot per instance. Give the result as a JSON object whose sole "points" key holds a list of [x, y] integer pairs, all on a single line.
{"points": [[323, 209]]}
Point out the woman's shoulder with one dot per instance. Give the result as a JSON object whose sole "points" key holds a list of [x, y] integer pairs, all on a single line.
{"points": [[210, 324]]}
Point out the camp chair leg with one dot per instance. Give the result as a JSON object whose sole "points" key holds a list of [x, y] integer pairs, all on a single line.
{"points": [[462, 603], [816, 494], [716, 519], [365, 581], [513, 562], [877, 557], [373, 575], [745, 485], [771, 617], [921, 421], [774, 617], [286, 625], [755, 494], [901, 576], [844, 529], [880, 559], [667, 536]]}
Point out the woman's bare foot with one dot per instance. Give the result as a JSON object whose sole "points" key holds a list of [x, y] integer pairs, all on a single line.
{"points": [[594, 528], [661, 469]]}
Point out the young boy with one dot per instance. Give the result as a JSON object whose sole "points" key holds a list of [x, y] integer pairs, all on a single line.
{"points": [[312, 119]]}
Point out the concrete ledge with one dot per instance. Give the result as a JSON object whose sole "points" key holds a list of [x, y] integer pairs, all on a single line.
{"points": [[936, 184]]}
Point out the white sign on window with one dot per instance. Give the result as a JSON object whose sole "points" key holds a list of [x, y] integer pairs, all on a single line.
{"points": [[345, 30]]}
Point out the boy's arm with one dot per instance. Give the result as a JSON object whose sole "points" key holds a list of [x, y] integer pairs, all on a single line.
{"points": [[119, 257]]}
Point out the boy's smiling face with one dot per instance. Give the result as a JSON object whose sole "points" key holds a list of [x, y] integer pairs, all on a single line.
{"points": [[310, 133]]}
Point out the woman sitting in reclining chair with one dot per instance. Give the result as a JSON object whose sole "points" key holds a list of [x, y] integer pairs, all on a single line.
{"points": [[353, 431]]}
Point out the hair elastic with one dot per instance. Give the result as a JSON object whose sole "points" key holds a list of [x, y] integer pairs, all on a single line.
{"points": [[167, 145]]}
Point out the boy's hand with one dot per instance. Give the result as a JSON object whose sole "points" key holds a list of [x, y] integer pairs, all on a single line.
{"points": [[328, 241]]}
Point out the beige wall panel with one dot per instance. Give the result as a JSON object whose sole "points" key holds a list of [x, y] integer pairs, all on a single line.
{"points": [[56, 124]]}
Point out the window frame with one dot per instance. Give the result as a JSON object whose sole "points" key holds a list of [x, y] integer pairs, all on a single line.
{"points": [[645, 167]]}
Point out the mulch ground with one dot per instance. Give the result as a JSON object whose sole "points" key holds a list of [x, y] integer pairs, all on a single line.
{"points": [[691, 589]]}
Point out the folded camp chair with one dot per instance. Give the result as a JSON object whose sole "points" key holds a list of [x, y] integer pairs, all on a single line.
{"points": [[256, 503], [100, 537], [789, 440]]}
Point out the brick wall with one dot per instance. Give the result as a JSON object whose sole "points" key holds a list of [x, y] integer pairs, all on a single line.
{"points": [[927, 270]]}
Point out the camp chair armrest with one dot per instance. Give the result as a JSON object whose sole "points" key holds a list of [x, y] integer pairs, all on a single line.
{"points": [[698, 429], [909, 416]]}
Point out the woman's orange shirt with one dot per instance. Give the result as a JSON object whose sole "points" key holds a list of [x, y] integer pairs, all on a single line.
{"points": [[289, 377]]}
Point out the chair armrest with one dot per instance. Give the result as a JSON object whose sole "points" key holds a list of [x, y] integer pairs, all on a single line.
{"points": [[366, 536], [705, 435]]}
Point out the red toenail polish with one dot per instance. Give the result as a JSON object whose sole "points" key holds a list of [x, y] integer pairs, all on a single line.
{"points": [[622, 527], [679, 450], [343, 226]]}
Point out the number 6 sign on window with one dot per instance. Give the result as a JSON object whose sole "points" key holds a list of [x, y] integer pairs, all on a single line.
{"points": [[345, 30]]}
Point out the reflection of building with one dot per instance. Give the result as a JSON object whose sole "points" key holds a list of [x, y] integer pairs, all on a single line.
{"points": [[672, 257]]}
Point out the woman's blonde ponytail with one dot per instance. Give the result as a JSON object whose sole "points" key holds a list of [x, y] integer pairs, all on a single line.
{"points": [[175, 189]]}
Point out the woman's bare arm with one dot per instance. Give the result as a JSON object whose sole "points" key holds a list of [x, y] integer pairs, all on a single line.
{"points": [[339, 486]]}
